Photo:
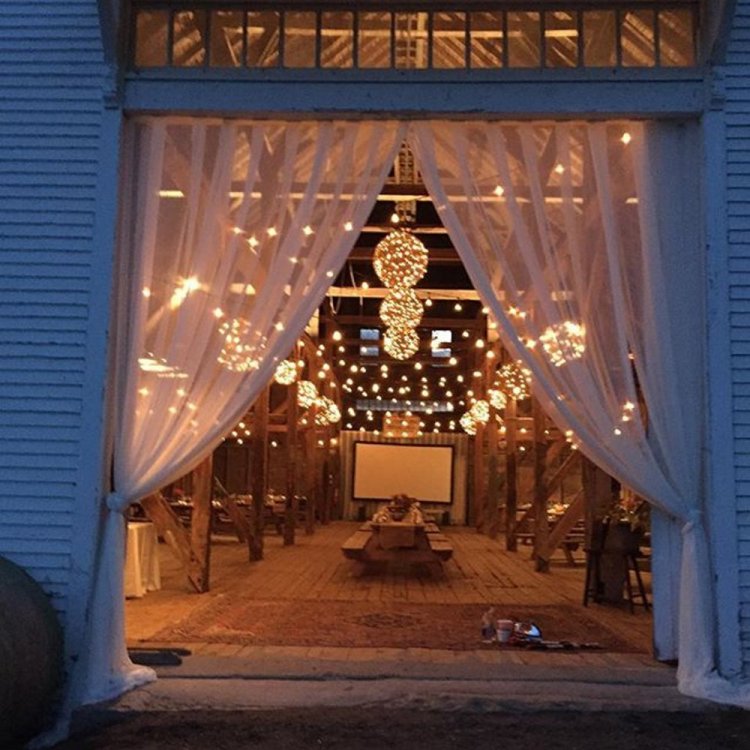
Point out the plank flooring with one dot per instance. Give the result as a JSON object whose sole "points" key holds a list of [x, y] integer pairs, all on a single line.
{"points": [[480, 572]]}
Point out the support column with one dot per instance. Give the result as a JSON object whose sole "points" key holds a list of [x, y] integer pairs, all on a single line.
{"points": [[200, 524], [259, 467], [511, 475], [290, 509], [541, 524]]}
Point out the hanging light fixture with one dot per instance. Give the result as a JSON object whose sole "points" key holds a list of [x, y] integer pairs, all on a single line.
{"points": [[307, 393], [480, 411], [401, 343], [564, 342], [497, 398], [401, 309], [468, 423], [286, 372], [241, 350], [400, 259], [514, 380]]}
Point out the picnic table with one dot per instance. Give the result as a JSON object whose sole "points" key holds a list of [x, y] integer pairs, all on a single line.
{"points": [[398, 541]]}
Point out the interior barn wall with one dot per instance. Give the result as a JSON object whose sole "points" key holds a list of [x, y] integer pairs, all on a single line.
{"points": [[353, 509], [737, 118], [54, 281]]}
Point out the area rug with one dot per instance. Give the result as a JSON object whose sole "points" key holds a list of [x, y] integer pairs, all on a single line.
{"points": [[374, 624]]}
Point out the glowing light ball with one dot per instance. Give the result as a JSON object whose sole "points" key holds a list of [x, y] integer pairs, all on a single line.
{"points": [[514, 380], [307, 393], [468, 423], [401, 343], [480, 411], [564, 342], [401, 309], [241, 350], [286, 372], [497, 398], [400, 259]]}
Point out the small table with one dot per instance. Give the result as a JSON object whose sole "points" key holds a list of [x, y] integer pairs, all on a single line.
{"points": [[142, 572]]}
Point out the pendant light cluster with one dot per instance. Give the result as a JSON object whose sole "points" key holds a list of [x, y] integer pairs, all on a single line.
{"points": [[400, 261], [511, 381]]}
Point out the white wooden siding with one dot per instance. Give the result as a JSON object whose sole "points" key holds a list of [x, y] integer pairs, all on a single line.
{"points": [[51, 79], [737, 81]]}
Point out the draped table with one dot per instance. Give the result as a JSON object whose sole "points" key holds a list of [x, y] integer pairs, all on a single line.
{"points": [[142, 572]]}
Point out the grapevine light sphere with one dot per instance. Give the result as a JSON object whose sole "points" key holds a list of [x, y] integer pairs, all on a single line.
{"points": [[514, 380], [326, 411], [286, 372], [468, 423], [401, 343], [564, 342], [400, 259], [480, 411], [497, 398], [239, 352], [307, 393], [401, 309]]}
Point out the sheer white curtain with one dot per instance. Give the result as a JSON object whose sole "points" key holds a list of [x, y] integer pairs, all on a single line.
{"points": [[233, 231], [589, 224]]}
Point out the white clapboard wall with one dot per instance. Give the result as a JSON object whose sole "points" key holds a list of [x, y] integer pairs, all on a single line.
{"points": [[51, 112], [737, 83]]}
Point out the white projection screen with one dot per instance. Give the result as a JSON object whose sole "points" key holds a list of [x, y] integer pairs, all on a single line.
{"points": [[382, 470]]}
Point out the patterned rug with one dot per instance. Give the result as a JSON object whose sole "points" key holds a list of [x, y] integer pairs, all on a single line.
{"points": [[224, 619]]}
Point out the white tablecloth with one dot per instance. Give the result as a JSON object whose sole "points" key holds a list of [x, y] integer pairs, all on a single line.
{"points": [[142, 559]]}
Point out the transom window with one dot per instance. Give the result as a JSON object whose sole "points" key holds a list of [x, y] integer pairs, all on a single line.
{"points": [[263, 36]]}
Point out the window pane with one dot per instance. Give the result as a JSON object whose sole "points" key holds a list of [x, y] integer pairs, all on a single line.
{"points": [[189, 41], [411, 40], [561, 39], [226, 39], [676, 38], [486, 40], [599, 39], [151, 38], [524, 33], [438, 343], [449, 40], [337, 40], [369, 334], [299, 39], [637, 39], [374, 40], [263, 39]]}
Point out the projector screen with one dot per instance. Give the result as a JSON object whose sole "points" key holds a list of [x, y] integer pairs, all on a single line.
{"points": [[382, 470]]}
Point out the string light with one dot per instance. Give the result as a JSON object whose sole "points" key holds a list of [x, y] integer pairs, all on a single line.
{"points": [[286, 372], [400, 259], [564, 342]]}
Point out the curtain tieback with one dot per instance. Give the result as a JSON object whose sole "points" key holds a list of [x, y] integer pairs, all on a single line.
{"points": [[694, 518], [116, 502]]}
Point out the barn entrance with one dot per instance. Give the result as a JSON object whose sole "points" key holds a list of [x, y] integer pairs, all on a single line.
{"points": [[508, 502]]}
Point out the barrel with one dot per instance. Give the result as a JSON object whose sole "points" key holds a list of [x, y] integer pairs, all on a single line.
{"points": [[31, 656]]}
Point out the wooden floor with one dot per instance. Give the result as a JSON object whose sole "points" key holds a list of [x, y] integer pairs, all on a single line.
{"points": [[481, 571]]}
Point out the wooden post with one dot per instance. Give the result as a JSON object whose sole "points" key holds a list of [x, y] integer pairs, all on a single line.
{"points": [[493, 477], [259, 471], [511, 475], [541, 525], [290, 508], [311, 472], [169, 528], [479, 487], [200, 525]]}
